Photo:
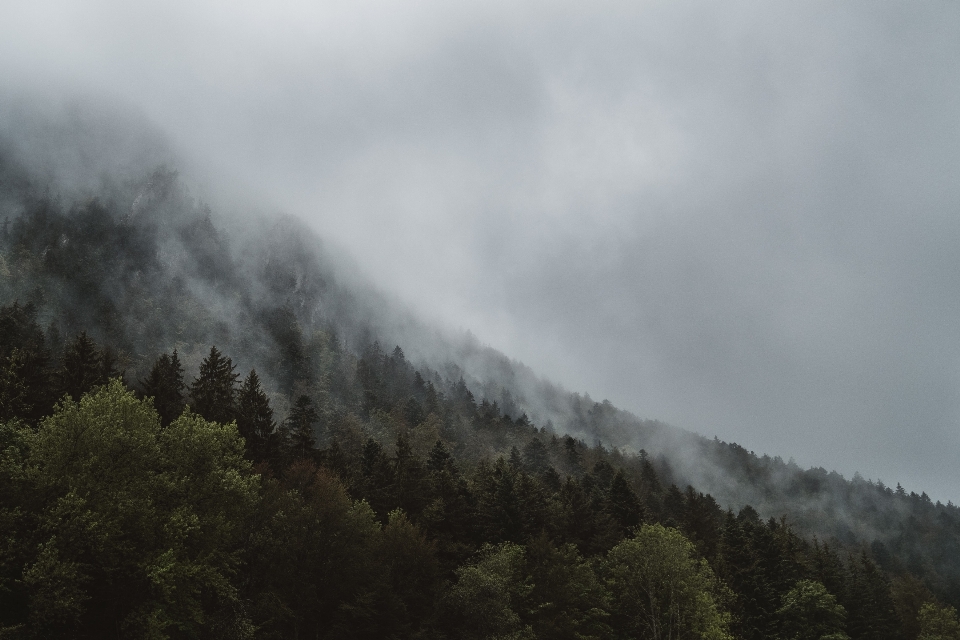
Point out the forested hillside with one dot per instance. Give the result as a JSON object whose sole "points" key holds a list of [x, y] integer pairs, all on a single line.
{"points": [[214, 429]]}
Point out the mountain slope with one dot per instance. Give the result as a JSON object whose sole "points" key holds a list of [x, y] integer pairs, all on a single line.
{"points": [[144, 268]]}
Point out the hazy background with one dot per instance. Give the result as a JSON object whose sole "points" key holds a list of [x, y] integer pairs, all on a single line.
{"points": [[740, 218]]}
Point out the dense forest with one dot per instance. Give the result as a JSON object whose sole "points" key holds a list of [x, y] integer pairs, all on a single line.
{"points": [[208, 430]]}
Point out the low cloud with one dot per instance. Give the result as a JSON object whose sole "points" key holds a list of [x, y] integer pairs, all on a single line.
{"points": [[738, 218]]}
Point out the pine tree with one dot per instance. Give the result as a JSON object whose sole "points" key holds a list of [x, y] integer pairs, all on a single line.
{"points": [[411, 479], [439, 459], [623, 503], [165, 385], [82, 368], [25, 384], [300, 427], [213, 392], [255, 418], [536, 458]]}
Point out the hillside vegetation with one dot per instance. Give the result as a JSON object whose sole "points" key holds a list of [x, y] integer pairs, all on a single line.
{"points": [[214, 429]]}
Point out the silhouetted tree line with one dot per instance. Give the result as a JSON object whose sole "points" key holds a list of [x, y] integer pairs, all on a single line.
{"points": [[164, 507]]}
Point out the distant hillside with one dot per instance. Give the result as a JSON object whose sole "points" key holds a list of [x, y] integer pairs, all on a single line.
{"points": [[144, 268]]}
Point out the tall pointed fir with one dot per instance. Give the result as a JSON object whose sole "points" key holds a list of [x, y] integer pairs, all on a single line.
{"points": [[82, 367], [25, 381], [165, 385], [213, 392], [255, 418], [299, 427]]}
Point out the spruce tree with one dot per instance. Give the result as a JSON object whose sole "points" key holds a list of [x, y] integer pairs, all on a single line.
{"points": [[82, 367], [300, 427], [213, 392], [25, 382], [255, 417], [623, 503], [165, 385]]}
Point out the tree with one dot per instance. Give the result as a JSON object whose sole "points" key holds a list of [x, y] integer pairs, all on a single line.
{"points": [[300, 427], [567, 601], [165, 385], [660, 589], [810, 612], [535, 456], [213, 392], [24, 365], [255, 417], [15, 401], [938, 622], [623, 503], [139, 529], [488, 594], [82, 367]]}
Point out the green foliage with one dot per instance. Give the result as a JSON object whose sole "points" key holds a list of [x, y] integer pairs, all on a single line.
{"points": [[489, 594], [567, 600], [660, 589], [938, 622], [139, 528], [810, 612]]}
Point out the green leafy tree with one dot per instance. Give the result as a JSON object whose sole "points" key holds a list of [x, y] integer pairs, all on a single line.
{"points": [[810, 612], [138, 529], [660, 589], [488, 597], [213, 392], [938, 622]]}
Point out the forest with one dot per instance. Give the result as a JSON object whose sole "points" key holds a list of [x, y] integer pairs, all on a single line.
{"points": [[210, 434]]}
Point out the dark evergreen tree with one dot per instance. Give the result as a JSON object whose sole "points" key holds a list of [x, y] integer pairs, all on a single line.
{"points": [[300, 426], [377, 478], [624, 505], [24, 365], [411, 480], [536, 458], [213, 392], [439, 459], [255, 418], [165, 385], [82, 367]]}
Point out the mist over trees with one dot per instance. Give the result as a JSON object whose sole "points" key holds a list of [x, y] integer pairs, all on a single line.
{"points": [[208, 430]]}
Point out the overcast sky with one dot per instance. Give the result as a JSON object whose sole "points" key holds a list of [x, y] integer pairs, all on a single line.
{"points": [[740, 218]]}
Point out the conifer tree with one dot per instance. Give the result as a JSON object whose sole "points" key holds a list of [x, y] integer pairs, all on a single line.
{"points": [[624, 506], [439, 459], [14, 393], [255, 417], [82, 367], [536, 458], [165, 385], [300, 427], [24, 361], [213, 392]]}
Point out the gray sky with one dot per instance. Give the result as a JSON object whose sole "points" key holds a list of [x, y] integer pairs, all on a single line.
{"points": [[741, 218]]}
